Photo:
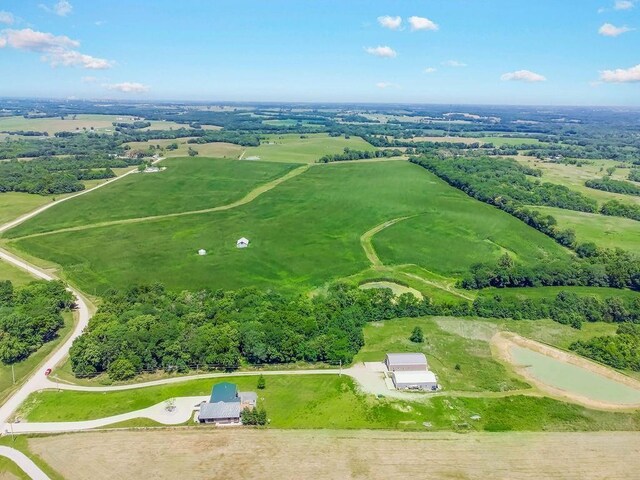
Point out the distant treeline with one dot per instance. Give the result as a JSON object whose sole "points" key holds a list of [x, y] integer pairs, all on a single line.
{"points": [[615, 208], [634, 175], [26, 133], [351, 154], [147, 328], [607, 184], [30, 316], [133, 125]]}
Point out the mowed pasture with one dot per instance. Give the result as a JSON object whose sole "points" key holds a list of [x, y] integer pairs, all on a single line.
{"points": [[604, 231], [81, 122], [304, 233], [191, 183], [303, 148], [16, 275], [277, 454], [574, 177], [15, 204], [214, 149]]}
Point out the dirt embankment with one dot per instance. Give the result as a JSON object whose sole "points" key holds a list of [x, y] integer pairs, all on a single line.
{"points": [[502, 342]]}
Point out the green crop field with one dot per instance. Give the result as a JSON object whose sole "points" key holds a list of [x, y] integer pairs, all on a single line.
{"points": [[15, 204], [213, 149], [186, 184], [293, 148], [550, 292], [604, 231], [325, 401], [320, 214]]}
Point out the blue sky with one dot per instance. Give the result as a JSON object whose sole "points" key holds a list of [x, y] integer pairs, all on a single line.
{"points": [[562, 52]]}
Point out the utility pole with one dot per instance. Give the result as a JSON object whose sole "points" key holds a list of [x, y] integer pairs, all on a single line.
{"points": [[340, 369], [13, 374]]}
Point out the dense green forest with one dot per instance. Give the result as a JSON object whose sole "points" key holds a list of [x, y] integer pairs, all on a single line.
{"points": [[634, 175], [619, 351], [30, 316], [607, 184], [147, 328]]}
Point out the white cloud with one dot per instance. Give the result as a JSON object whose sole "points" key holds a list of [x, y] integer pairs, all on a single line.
{"points": [[430, 70], [523, 76], [621, 75], [128, 87], [381, 51], [454, 64], [6, 18], [387, 85], [421, 23], [623, 5], [609, 30], [55, 49], [89, 79], [61, 8], [392, 23]]}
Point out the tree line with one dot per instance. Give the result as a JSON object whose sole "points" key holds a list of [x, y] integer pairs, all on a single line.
{"points": [[352, 154], [621, 350], [30, 316], [607, 184]]}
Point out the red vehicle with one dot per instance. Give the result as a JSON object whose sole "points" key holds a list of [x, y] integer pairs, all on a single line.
{"points": [[47, 372]]}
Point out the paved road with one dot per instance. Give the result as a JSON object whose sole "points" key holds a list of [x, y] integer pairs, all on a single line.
{"points": [[24, 462]]}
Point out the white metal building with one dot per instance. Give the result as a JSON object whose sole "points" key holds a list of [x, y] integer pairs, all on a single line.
{"points": [[406, 362], [242, 243], [423, 380], [202, 251]]}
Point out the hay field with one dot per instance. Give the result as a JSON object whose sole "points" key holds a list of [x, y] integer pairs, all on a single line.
{"points": [[215, 149], [274, 454], [293, 148]]}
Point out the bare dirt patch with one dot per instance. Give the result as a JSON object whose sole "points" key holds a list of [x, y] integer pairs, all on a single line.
{"points": [[275, 454]]}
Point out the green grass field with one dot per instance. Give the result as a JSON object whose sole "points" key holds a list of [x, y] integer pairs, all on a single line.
{"points": [[497, 141], [14, 204], [551, 292], [213, 149], [186, 184], [477, 372], [303, 233], [604, 231], [15, 274], [333, 402], [292, 148], [574, 177]]}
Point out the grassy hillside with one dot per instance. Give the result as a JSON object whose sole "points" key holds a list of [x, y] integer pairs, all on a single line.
{"points": [[303, 233], [186, 184], [604, 231]]}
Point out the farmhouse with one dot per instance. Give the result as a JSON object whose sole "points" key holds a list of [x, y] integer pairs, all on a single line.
{"points": [[242, 243], [406, 362], [417, 380], [226, 404]]}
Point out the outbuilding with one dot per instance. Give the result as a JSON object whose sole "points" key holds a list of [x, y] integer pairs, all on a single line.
{"points": [[415, 380], [202, 252], [406, 362], [242, 243]]}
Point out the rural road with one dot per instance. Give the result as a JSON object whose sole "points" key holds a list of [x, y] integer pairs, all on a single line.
{"points": [[24, 462]]}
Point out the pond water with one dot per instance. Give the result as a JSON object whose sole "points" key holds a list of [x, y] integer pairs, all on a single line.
{"points": [[574, 379], [396, 288]]}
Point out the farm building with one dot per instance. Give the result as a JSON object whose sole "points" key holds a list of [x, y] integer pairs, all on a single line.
{"points": [[202, 251], [242, 243], [226, 404], [417, 380], [406, 362]]}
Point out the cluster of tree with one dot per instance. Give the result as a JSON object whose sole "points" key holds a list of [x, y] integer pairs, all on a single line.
{"points": [[26, 133], [239, 138], [619, 351], [598, 268], [30, 316], [47, 175], [72, 144], [615, 208], [351, 154], [634, 175], [607, 184], [133, 125], [254, 416]]}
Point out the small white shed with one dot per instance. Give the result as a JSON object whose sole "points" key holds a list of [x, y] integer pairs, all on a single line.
{"points": [[202, 251], [242, 243]]}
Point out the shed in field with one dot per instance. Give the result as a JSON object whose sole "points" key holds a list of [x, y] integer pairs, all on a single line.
{"points": [[406, 362], [242, 243], [424, 380], [202, 252]]}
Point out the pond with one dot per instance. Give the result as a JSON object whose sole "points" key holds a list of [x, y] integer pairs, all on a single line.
{"points": [[574, 379]]}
